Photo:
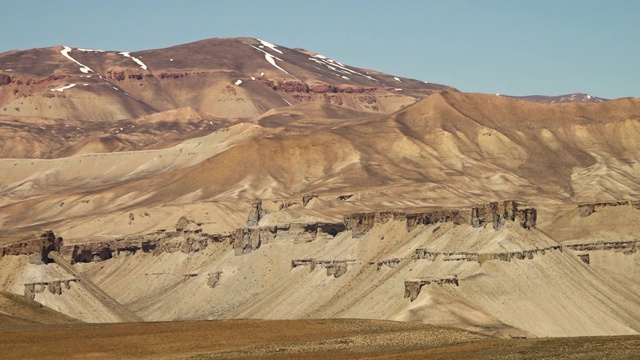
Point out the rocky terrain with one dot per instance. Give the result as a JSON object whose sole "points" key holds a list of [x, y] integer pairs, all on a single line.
{"points": [[235, 178]]}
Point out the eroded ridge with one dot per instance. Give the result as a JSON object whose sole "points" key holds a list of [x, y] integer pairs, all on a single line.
{"points": [[588, 209], [412, 288], [495, 213], [335, 268], [427, 254]]}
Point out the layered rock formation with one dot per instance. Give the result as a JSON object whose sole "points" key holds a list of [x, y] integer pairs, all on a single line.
{"points": [[247, 239], [495, 213], [38, 248], [155, 243], [412, 288], [588, 209], [482, 257], [54, 287]]}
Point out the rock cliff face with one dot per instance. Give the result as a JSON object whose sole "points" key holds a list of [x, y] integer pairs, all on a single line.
{"points": [[627, 247], [55, 287], [255, 214], [247, 239], [335, 268], [588, 209], [412, 287], [495, 213], [154, 243], [38, 247], [482, 257]]}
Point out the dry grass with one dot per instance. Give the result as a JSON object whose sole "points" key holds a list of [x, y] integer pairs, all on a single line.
{"points": [[294, 339]]}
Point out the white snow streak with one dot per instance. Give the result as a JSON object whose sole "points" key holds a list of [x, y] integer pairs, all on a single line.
{"points": [[253, 78], [128, 54], [269, 45], [285, 100], [397, 78], [90, 50], [65, 52], [337, 66], [61, 89], [238, 82], [272, 60]]}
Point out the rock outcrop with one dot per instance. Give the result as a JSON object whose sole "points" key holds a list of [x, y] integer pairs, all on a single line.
{"points": [[38, 247], [5, 79], [426, 254], [155, 243], [412, 288], [628, 247], [495, 213], [255, 214], [588, 209], [307, 198], [55, 287], [248, 239], [213, 279], [335, 268]]}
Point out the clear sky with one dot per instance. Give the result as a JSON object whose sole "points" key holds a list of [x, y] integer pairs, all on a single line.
{"points": [[515, 47]]}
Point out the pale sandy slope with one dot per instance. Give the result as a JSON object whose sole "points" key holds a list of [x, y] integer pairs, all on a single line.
{"points": [[554, 294]]}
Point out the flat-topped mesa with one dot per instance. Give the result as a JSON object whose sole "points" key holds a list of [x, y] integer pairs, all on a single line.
{"points": [[496, 213], [38, 248], [588, 209]]}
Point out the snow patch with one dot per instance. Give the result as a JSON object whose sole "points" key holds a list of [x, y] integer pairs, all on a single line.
{"points": [[85, 84], [262, 73], [269, 45], [285, 100], [61, 89], [65, 52], [397, 78], [337, 66], [90, 50], [238, 82], [272, 60], [346, 78], [137, 61], [397, 89], [252, 78], [170, 59]]}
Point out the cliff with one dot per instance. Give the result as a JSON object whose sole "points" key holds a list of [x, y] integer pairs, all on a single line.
{"points": [[38, 247], [588, 209], [495, 213]]}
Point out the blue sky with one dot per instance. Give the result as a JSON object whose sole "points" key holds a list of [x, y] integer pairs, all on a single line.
{"points": [[511, 47]]}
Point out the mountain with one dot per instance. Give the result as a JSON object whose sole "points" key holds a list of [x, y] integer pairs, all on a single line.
{"points": [[234, 178], [240, 77], [575, 97]]}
